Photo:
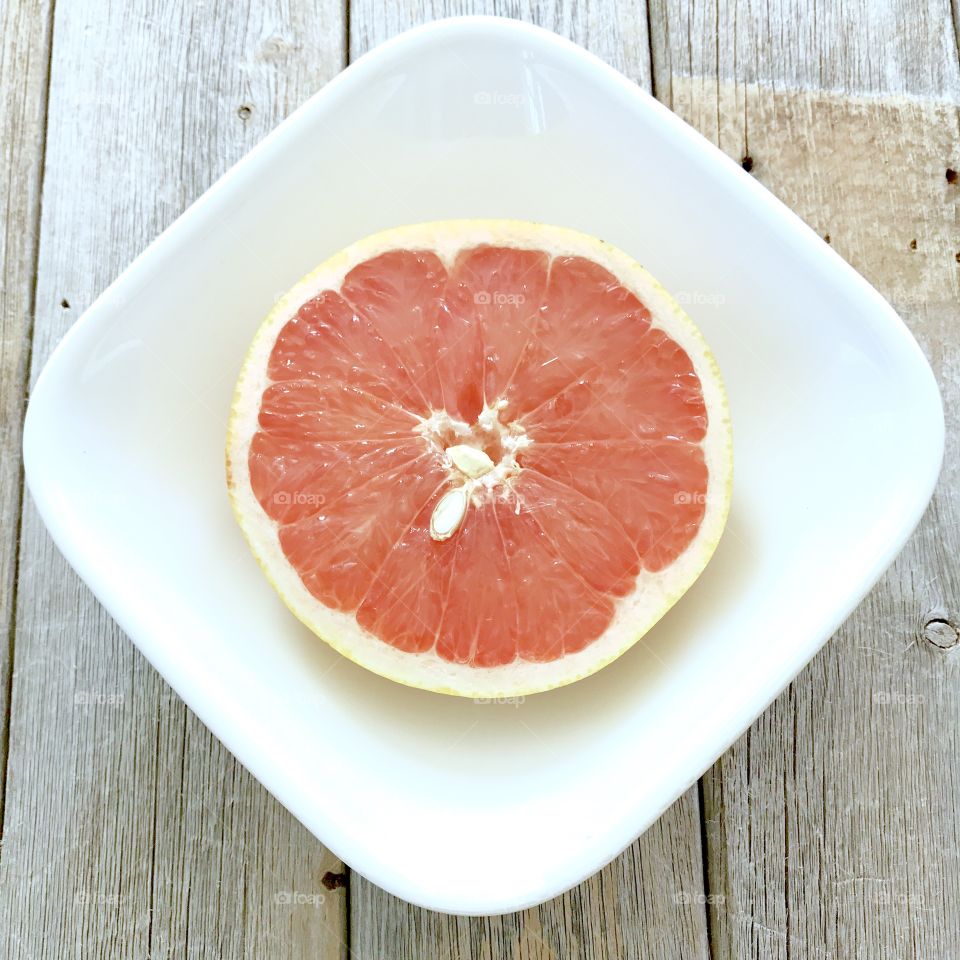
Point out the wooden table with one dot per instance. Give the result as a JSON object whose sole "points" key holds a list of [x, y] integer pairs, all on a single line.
{"points": [[830, 830]]}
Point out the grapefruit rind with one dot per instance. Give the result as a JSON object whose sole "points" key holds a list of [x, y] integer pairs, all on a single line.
{"points": [[636, 614]]}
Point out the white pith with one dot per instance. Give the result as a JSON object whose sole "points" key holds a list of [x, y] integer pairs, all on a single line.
{"points": [[488, 482], [635, 614]]}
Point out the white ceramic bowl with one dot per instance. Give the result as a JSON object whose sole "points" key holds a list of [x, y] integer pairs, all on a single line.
{"points": [[461, 806]]}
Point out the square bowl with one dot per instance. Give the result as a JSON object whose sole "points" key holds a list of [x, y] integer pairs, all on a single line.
{"points": [[838, 440]]}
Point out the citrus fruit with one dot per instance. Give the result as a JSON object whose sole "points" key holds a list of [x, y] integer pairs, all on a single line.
{"points": [[481, 457]]}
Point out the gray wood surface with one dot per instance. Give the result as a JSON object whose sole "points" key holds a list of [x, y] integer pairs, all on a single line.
{"points": [[128, 830], [848, 782], [831, 828], [24, 59]]}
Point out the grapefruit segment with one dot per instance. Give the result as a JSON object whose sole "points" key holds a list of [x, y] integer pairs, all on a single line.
{"points": [[481, 457], [294, 480], [502, 292], [651, 391], [402, 294], [459, 355], [656, 489], [323, 341], [339, 550], [557, 611], [299, 411], [479, 617], [405, 603], [582, 530], [587, 319]]}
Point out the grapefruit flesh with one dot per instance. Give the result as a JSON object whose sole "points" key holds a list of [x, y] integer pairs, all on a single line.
{"points": [[540, 374]]}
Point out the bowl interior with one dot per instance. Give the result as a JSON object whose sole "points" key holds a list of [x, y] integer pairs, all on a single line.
{"points": [[836, 446]]}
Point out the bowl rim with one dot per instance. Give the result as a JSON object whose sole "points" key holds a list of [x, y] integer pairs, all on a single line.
{"points": [[230, 726]]}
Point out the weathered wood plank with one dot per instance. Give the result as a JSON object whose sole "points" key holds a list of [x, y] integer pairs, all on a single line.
{"points": [[650, 901], [24, 58], [129, 831], [831, 826], [617, 32], [893, 47], [845, 776]]}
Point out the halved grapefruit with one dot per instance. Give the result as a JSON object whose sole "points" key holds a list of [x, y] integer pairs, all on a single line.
{"points": [[481, 457]]}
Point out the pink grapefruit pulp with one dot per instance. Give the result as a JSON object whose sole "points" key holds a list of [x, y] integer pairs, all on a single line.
{"points": [[481, 457]]}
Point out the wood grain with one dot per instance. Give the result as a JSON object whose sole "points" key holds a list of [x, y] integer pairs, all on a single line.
{"points": [[129, 831], [890, 47], [832, 829], [615, 32], [24, 58], [832, 823]]}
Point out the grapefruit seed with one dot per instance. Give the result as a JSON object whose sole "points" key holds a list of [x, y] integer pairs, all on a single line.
{"points": [[448, 514]]}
